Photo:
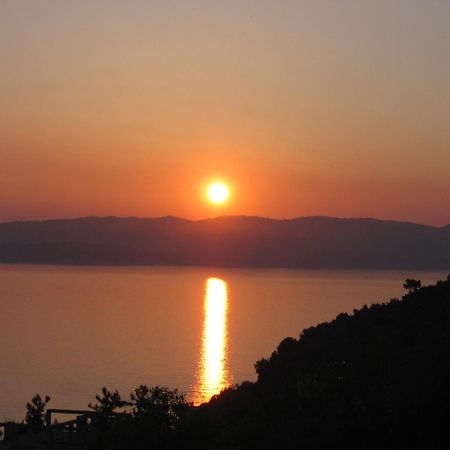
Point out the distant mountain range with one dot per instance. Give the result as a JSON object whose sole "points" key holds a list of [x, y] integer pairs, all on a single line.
{"points": [[237, 241]]}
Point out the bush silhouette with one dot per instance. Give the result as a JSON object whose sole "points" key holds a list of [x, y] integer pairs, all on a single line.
{"points": [[35, 415], [159, 402], [108, 402], [412, 285]]}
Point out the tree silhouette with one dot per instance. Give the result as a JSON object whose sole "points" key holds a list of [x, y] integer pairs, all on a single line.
{"points": [[412, 285], [158, 402], [108, 402], [36, 411]]}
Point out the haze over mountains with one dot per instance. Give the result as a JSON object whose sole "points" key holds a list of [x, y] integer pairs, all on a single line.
{"points": [[306, 242]]}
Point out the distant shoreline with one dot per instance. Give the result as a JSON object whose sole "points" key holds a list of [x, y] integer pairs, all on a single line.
{"points": [[220, 217], [316, 243]]}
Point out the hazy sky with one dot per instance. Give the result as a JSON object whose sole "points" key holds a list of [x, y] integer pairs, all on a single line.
{"points": [[305, 107]]}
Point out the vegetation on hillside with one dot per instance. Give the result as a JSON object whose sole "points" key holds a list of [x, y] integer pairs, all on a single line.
{"points": [[375, 379]]}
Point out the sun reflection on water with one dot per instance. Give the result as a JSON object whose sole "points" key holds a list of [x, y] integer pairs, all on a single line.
{"points": [[213, 373]]}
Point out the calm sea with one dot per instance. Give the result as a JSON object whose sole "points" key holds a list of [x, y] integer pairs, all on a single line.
{"points": [[67, 331]]}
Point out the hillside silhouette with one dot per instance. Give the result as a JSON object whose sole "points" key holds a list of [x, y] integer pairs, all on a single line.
{"points": [[309, 242], [377, 378]]}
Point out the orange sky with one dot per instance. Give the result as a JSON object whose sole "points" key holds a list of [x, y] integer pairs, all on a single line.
{"points": [[305, 108]]}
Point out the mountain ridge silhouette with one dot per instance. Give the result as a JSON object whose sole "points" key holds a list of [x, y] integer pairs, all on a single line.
{"points": [[236, 241]]}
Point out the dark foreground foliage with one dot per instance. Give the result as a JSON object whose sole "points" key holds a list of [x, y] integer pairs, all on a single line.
{"points": [[376, 379], [152, 422]]}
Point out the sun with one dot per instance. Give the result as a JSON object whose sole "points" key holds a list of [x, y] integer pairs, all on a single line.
{"points": [[218, 192]]}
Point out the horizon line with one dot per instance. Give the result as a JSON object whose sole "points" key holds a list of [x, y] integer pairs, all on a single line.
{"points": [[361, 218]]}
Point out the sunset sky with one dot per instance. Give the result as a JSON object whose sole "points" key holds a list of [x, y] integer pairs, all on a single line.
{"points": [[131, 108]]}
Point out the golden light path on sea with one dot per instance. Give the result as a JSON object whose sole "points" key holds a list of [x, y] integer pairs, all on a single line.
{"points": [[213, 375]]}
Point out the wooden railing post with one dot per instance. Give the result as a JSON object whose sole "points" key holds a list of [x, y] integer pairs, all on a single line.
{"points": [[48, 424], [81, 424]]}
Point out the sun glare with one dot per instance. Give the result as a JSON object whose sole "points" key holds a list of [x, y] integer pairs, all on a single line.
{"points": [[218, 192], [213, 373]]}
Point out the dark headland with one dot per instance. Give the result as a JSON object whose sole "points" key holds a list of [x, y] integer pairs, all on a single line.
{"points": [[229, 241]]}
